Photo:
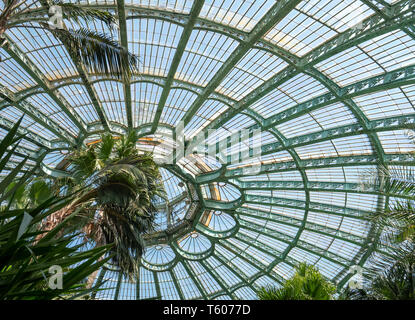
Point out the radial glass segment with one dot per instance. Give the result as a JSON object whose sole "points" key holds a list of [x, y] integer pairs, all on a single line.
{"points": [[265, 117]]}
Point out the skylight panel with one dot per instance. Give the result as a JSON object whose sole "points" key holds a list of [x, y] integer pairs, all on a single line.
{"points": [[186, 284], [396, 141], [324, 219], [272, 242], [46, 52], [272, 103], [302, 88], [317, 150], [14, 115], [182, 6], [178, 102], [303, 256], [332, 198], [328, 269], [344, 249], [355, 226], [387, 103], [209, 283], [110, 285], [332, 116], [349, 66], [289, 194], [79, 99], [317, 239], [299, 33], [209, 111], [12, 75], [284, 270], [147, 285], [299, 126], [145, 97], [355, 174], [367, 202], [266, 281], [224, 273], [111, 95], [243, 15], [46, 105], [339, 14], [127, 289], [355, 145], [392, 51], [334, 174], [167, 288], [251, 71], [205, 53], [276, 176], [155, 43], [246, 293], [238, 122]]}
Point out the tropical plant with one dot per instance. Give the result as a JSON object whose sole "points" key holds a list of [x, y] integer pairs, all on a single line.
{"points": [[398, 219], [96, 50], [306, 284], [391, 277], [24, 262], [116, 204], [390, 274]]}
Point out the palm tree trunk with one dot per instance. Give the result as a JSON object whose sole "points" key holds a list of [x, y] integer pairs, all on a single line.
{"points": [[53, 220], [93, 232]]}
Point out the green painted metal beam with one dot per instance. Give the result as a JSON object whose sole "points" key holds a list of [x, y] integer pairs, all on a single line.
{"points": [[246, 257], [194, 13], [29, 134], [212, 272], [124, 42], [85, 80], [371, 127], [371, 27], [30, 67], [271, 18], [195, 280], [244, 280], [393, 159], [294, 222], [313, 206], [36, 115]]}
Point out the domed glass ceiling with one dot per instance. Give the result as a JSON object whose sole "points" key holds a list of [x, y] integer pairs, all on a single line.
{"points": [[330, 86]]}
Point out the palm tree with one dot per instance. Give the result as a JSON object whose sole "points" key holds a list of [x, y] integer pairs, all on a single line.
{"points": [[306, 284], [391, 273], [25, 263], [398, 219], [390, 278], [96, 50], [117, 187]]}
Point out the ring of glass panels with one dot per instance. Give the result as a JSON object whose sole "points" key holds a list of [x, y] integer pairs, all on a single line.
{"points": [[329, 84]]}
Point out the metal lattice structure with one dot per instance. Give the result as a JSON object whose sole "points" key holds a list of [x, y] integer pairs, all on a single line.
{"points": [[330, 84]]}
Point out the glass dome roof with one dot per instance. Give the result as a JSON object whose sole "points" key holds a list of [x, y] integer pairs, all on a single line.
{"points": [[330, 86]]}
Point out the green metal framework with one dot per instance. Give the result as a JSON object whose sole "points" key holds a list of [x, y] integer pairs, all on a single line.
{"points": [[329, 84]]}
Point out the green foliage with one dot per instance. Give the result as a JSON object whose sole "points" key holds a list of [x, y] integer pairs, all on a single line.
{"points": [[306, 284], [116, 205], [24, 261], [95, 50], [391, 276]]}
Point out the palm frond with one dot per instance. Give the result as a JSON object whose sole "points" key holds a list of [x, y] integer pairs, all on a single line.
{"points": [[97, 51], [76, 13]]}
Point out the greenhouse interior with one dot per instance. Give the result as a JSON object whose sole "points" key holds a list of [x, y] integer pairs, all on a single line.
{"points": [[207, 149]]}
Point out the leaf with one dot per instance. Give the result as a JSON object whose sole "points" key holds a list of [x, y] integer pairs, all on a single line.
{"points": [[27, 218]]}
